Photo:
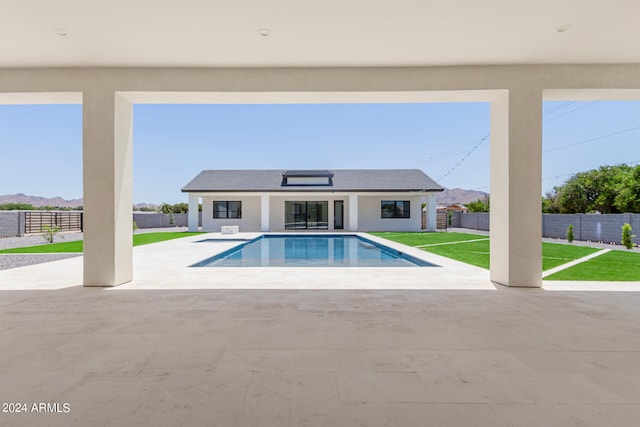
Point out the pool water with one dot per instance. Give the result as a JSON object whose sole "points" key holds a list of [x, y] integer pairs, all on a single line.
{"points": [[311, 251]]}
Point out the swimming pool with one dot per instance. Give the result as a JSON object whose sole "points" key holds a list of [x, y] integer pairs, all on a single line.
{"points": [[312, 251]]}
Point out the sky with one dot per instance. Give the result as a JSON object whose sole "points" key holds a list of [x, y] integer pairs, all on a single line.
{"points": [[41, 145]]}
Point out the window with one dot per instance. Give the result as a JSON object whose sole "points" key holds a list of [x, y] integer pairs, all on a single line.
{"points": [[227, 209], [307, 178], [396, 209]]}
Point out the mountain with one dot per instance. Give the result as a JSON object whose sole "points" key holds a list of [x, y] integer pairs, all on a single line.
{"points": [[459, 195], [40, 201]]}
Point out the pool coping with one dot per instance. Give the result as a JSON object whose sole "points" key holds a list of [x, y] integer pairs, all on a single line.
{"points": [[382, 246]]}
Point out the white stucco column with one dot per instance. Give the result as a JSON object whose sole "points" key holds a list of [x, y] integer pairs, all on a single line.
{"points": [[432, 212], [192, 218], [353, 212], [108, 188], [264, 212], [516, 187]]}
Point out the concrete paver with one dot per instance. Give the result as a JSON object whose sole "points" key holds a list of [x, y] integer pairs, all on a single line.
{"points": [[180, 346]]}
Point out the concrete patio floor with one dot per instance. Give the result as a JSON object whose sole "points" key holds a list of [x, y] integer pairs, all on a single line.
{"points": [[440, 356]]}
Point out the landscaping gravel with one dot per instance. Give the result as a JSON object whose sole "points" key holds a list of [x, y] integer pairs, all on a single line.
{"points": [[8, 261]]}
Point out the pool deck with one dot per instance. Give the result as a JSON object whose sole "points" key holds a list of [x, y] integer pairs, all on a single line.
{"points": [[183, 346], [165, 265]]}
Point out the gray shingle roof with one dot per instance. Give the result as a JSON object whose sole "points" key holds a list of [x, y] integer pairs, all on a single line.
{"points": [[343, 180]]}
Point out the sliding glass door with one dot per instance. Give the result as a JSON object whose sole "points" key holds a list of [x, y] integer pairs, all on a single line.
{"points": [[306, 215]]}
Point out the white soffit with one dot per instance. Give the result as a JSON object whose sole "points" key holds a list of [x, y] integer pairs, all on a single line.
{"points": [[346, 97], [303, 33], [24, 98]]}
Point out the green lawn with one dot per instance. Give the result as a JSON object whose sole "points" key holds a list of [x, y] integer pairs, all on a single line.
{"points": [[618, 266], [474, 253], [555, 254], [417, 239], [74, 247], [477, 253]]}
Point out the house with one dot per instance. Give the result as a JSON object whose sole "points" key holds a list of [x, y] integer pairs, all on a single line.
{"points": [[457, 207], [340, 199]]}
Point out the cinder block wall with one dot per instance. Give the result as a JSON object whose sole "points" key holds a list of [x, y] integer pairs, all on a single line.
{"points": [[456, 220], [555, 225], [160, 220], [11, 223], [475, 220], [596, 227]]}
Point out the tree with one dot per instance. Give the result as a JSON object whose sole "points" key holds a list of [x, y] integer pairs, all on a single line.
{"points": [[480, 205], [180, 208], [17, 207], [628, 197], [549, 204], [608, 189], [167, 209]]}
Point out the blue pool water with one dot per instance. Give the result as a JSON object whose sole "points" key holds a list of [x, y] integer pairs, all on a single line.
{"points": [[311, 251]]}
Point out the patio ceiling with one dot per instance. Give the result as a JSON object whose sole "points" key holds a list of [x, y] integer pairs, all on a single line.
{"points": [[206, 33]]}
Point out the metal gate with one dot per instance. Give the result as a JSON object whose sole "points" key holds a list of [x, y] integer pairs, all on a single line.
{"points": [[67, 221]]}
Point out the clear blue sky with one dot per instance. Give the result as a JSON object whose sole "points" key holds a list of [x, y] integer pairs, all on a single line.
{"points": [[41, 145]]}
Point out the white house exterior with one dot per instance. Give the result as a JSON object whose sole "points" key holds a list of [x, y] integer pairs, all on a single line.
{"points": [[319, 200]]}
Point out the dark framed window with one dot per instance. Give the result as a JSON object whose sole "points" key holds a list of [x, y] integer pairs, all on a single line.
{"points": [[227, 209], [396, 209]]}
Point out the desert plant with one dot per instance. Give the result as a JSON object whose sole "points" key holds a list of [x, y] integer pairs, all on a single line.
{"points": [[135, 226], [49, 232], [167, 209], [570, 233], [627, 237]]}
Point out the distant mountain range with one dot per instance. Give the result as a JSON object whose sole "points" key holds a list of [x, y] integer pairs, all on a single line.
{"points": [[40, 201], [459, 195], [53, 201], [447, 197]]}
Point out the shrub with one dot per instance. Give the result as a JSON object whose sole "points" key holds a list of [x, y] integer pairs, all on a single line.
{"points": [[570, 233], [49, 232], [627, 237], [480, 205], [135, 226]]}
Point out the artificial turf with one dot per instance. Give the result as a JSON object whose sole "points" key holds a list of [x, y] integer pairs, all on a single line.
{"points": [[617, 266], [477, 253], [474, 253], [417, 239], [555, 254], [76, 246]]}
